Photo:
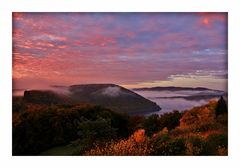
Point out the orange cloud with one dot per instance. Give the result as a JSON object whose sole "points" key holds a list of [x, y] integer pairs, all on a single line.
{"points": [[205, 21], [208, 18], [83, 48]]}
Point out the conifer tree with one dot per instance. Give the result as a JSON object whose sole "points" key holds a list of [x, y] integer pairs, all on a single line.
{"points": [[221, 107]]}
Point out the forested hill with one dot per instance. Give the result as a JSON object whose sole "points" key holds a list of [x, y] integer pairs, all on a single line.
{"points": [[111, 96], [174, 88]]}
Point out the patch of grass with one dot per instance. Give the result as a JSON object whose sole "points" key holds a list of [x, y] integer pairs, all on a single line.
{"points": [[62, 150]]}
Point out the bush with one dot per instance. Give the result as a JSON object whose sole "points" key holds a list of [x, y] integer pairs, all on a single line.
{"points": [[167, 146], [98, 131], [135, 123], [204, 127], [170, 120], [155, 123], [216, 142], [121, 124], [151, 124], [197, 146], [135, 145]]}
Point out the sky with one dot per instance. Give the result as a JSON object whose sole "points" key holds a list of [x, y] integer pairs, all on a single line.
{"points": [[129, 49]]}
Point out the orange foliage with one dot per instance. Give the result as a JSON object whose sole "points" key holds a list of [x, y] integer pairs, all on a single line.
{"points": [[137, 144], [211, 132], [199, 115], [139, 136]]}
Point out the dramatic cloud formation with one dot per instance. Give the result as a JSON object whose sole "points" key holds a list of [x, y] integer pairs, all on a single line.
{"points": [[130, 49]]}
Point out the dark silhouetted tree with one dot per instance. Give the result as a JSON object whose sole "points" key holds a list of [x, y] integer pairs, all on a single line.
{"points": [[151, 124], [170, 120], [221, 107]]}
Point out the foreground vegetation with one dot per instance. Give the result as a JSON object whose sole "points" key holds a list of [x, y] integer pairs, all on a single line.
{"points": [[95, 130]]}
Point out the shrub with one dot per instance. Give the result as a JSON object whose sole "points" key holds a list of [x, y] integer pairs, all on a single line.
{"points": [[135, 145], [98, 131], [135, 123], [151, 124], [155, 123], [121, 124], [168, 146], [170, 120], [197, 146], [204, 127], [218, 143]]}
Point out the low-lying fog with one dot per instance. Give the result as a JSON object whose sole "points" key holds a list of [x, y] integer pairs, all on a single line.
{"points": [[167, 100], [178, 100]]}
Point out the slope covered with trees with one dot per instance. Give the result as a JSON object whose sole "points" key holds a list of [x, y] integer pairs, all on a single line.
{"points": [[84, 129], [114, 97], [199, 132]]}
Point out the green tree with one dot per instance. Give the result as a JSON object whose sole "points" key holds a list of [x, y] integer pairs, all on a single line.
{"points": [[98, 131], [170, 120], [151, 124]]}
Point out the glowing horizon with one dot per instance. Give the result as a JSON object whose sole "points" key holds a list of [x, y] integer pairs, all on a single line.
{"points": [[129, 49]]}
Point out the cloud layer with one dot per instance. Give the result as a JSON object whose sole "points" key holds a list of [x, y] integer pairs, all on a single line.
{"points": [[122, 48]]}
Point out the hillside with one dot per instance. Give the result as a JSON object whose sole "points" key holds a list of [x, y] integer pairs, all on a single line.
{"points": [[95, 130], [39, 128], [197, 132], [111, 96], [187, 93]]}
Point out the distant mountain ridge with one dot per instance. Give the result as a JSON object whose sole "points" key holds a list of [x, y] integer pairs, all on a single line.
{"points": [[114, 97], [173, 88]]}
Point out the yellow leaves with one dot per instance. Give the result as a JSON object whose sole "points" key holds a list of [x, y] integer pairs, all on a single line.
{"points": [[137, 145]]}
